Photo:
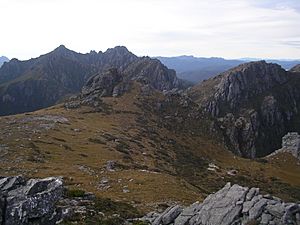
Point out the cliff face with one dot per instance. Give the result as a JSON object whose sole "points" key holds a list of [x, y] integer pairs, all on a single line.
{"points": [[104, 84], [41, 82], [153, 72], [254, 105]]}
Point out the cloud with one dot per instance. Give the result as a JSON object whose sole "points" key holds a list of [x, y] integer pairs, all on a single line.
{"points": [[295, 44], [278, 4], [228, 28]]}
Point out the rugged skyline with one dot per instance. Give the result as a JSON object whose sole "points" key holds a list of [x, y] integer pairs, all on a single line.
{"points": [[230, 29]]}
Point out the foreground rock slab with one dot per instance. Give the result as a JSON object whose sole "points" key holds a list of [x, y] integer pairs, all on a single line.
{"points": [[29, 202], [232, 205]]}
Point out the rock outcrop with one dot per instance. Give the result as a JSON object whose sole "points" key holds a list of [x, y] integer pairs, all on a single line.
{"points": [[151, 74], [290, 144], [253, 105], [29, 202], [103, 84], [233, 204]]}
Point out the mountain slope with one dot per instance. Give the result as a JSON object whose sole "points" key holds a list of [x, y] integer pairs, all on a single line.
{"points": [[254, 105], [41, 82], [138, 144]]}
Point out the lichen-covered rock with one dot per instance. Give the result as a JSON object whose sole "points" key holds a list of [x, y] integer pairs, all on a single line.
{"points": [[290, 144], [187, 214], [233, 205], [28, 202], [103, 83], [168, 216]]}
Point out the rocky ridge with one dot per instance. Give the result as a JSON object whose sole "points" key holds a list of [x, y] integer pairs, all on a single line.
{"points": [[253, 105], [233, 204], [43, 81], [149, 73]]}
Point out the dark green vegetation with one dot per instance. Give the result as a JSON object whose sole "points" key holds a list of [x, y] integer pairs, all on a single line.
{"points": [[72, 193], [104, 211]]}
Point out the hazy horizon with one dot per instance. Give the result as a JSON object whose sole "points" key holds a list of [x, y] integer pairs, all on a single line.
{"points": [[231, 29], [157, 56]]}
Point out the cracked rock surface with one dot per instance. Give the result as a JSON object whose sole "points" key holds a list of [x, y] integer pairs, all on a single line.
{"points": [[29, 202], [232, 205]]}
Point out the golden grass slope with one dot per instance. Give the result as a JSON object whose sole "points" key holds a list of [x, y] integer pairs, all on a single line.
{"points": [[154, 164]]}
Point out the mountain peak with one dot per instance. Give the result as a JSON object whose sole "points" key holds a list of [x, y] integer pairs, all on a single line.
{"points": [[247, 80], [3, 59], [62, 51], [118, 50], [61, 48], [240, 84], [246, 101], [262, 64]]}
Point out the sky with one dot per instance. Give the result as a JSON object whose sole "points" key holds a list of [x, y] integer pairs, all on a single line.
{"points": [[208, 28]]}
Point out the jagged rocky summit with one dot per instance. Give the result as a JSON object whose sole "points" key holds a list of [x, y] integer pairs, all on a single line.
{"points": [[253, 105], [232, 205], [41, 82], [44, 81], [149, 73]]}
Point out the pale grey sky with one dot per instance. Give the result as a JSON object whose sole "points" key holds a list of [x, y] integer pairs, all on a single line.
{"points": [[226, 28]]}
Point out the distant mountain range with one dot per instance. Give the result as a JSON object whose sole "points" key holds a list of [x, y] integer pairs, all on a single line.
{"points": [[41, 82], [3, 59], [196, 69]]}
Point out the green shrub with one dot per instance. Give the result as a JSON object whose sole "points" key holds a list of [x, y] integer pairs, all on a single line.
{"points": [[73, 193], [109, 207]]}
